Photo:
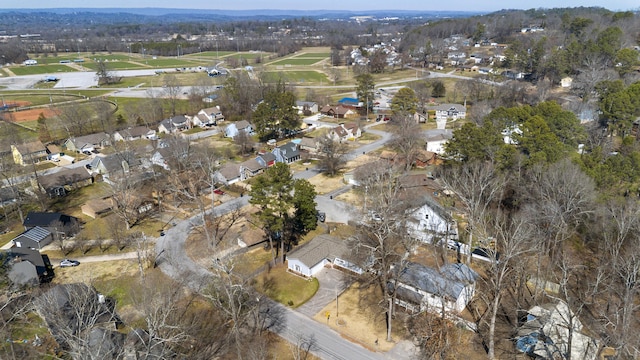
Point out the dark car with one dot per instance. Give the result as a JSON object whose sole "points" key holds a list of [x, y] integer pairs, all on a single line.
{"points": [[69, 263], [321, 216]]}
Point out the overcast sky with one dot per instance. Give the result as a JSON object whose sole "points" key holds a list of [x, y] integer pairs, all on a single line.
{"points": [[475, 5]]}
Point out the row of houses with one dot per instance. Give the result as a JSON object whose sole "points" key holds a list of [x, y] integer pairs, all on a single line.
{"points": [[233, 172]]}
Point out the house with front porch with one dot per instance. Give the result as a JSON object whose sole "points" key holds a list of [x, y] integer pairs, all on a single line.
{"points": [[134, 133], [287, 153]]}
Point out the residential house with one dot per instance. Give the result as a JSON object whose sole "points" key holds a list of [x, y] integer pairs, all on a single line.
{"points": [[8, 195], [228, 174], [56, 223], [250, 168], [311, 145], [566, 82], [28, 267], [554, 329], [420, 118], [34, 238], [306, 107], [435, 142], [114, 165], [134, 133], [424, 158], [97, 207], [322, 250], [421, 288], [338, 112], [344, 132], [451, 112], [87, 143], [429, 222], [161, 156], [287, 153], [29, 153], [233, 129], [173, 124], [266, 159], [53, 152], [210, 116], [80, 311], [63, 181]]}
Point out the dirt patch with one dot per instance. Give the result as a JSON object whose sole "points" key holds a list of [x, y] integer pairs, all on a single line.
{"points": [[33, 114], [325, 184]]}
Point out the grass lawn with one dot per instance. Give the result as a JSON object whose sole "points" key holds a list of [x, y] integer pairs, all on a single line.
{"points": [[168, 62], [41, 69], [212, 54], [193, 130], [114, 65], [286, 288], [313, 55], [296, 61], [249, 262], [246, 55], [296, 76]]}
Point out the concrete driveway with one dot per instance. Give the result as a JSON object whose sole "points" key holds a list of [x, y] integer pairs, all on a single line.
{"points": [[331, 284]]}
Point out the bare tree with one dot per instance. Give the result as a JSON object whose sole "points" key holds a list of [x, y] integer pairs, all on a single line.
{"points": [[126, 199], [477, 185], [303, 346], [407, 138], [244, 141], [238, 303], [74, 118], [513, 240], [380, 243], [332, 154], [172, 90]]}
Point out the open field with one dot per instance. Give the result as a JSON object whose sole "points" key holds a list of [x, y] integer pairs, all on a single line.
{"points": [[296, 76], [313, 55], [115, 65], [213, 54], [41, 69], [171, 62], [295, 61]]}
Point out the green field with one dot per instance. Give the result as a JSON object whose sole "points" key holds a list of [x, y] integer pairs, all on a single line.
{"points": [[295, 61], [114, 65], [313, 55], [296, 76], [247, 55], [169, 62], [41, 69], [212, 54], [110, 57]]}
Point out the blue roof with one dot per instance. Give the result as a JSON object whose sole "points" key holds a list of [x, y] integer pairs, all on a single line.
{"points": [[348, 100]]}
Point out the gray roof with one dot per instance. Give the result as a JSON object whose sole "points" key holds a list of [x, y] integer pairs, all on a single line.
{"points": [[319, 248], [268, 157], [253, 165], [64, 177], [242, 124], [439, 136], [91, 139], [230, 171], [36, 234], [289, 150], [45, 219], [447, 107], [444, 282], [135, 131]]}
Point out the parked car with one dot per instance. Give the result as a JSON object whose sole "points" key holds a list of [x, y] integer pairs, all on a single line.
{"points": [[218, 192], [321, 216], [69, 263]]}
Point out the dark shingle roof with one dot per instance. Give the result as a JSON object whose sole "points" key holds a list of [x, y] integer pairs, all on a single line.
{"points": [[45, 219]]}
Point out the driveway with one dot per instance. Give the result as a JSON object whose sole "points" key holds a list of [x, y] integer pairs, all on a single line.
{"points": [[331, 285]]}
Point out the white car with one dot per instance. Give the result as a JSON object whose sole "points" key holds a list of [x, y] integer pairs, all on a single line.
{"points": [[69, 263]]}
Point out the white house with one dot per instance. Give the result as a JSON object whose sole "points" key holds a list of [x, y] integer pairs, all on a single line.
{"points": [[421, 288], [234, 128], [322, 250], [30, 62], [209, 116], [431, 222], [228, 174], [173, 124], [435, 142], [310, 106], [509, 132], [134, 133], [451, 111]]}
